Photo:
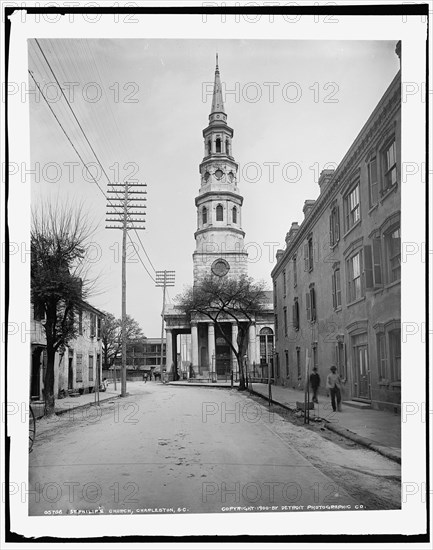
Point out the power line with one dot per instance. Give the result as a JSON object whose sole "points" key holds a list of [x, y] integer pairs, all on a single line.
{"points": [[92, 149]]}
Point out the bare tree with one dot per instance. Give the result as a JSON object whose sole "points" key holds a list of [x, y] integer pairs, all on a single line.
{"points": [[59, 282], [222, 299]]}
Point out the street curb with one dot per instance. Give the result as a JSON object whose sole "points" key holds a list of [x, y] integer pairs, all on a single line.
{"points": [[364, 441], [344, 432], [90, 404], [200, 385]]}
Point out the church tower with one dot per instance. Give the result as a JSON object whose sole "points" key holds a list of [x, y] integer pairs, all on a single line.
{"points": [[219, 236]]}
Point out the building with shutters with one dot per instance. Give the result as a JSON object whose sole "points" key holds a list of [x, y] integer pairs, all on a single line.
{"points": [[337, 282], [78, 367]]}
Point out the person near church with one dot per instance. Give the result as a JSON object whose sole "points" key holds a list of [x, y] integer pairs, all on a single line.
{"points": [[315, 383], [333, 384]]}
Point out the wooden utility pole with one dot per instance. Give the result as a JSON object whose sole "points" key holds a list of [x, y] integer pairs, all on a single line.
{"points": [[124, 215], [164, 279]]}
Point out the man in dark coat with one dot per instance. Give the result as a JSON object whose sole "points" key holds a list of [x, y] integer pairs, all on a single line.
{"points": [[315, 383]]}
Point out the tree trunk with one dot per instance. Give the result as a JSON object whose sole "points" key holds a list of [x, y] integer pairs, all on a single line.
{"points": [[49, 382]]}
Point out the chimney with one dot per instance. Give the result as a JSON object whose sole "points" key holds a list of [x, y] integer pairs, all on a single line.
{"points": [[308, 205], [292, 233], [324, 178], [279, 254]]}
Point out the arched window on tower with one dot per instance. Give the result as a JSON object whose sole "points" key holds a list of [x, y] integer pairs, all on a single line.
{"points": [[227, 147], [204, 215], [219, 213], [218, 145], [234, 215], [209, 147]]}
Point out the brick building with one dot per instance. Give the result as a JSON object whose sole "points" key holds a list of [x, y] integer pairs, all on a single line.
{"points": [[337, 283]]}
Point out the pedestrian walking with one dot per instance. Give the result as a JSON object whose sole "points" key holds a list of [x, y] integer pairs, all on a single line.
{"points": [[333, 384], [315, 383]]}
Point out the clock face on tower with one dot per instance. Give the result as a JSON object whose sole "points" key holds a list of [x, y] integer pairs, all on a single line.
{"points": [[220, 267]]}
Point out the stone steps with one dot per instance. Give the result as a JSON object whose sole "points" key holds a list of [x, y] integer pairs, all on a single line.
{"points": [[357, 404]]}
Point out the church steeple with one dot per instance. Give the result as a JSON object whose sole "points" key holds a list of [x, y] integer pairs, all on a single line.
{"points": [[219, 236], [217, 99]]}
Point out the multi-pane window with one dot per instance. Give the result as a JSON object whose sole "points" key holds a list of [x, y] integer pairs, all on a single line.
{"points": [[395, 354], [284, 283], [204, 215], [295, 272], [285, 321], [336, 289], [296, 314], [352, 208], [266, 345], [308, 255], [373, 192], [354, 278], [219, 213], [381, 356], [92, 325], [234, 215], [334, 226], [311, 304], [393, 244], [390, 166]]}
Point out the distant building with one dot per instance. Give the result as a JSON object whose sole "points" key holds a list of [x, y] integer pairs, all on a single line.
{"points": [[337, 283], [143, 355], [78, 367]]}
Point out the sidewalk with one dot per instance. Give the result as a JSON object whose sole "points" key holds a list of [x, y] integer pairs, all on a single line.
{"points": [[378, 430], [68, 403]]}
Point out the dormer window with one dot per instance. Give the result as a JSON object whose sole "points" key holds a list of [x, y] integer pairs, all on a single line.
{"points": [[218, 145], [219, 213], [204, 215], [235, 214]]}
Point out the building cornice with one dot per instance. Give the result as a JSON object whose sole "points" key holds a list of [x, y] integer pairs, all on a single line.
{"points": [[214, 228], [381, 115], [218, 195]]}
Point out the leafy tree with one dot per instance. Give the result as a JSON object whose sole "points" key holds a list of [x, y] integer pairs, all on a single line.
{"points": [[223, 299], [59, 283], [112, 337]]}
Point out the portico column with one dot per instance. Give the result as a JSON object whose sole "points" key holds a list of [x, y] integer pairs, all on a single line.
{"points": [[252, 343], [194, 346], [169, 350], [211, 345], [235, 345]]}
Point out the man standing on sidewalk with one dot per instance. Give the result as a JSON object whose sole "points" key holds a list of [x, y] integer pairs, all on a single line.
{"points": [[333, 384], [315, 383]]}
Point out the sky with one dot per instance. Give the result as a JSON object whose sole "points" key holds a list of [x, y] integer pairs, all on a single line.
{"points": [[295, 107]]}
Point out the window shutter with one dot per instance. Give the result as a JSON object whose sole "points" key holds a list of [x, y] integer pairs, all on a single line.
{"points": [[306, 259], [377, 267], [368, 267], [334, 291], [331, 236], [313, 304], [337, 223], [373, 182], [307, 296]]}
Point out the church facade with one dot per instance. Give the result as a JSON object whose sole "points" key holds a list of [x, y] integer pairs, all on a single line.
{"points": [[219, 251]]}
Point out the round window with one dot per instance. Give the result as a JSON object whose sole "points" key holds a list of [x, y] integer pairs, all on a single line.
{"points": [[220, 267], [219, 174]]}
